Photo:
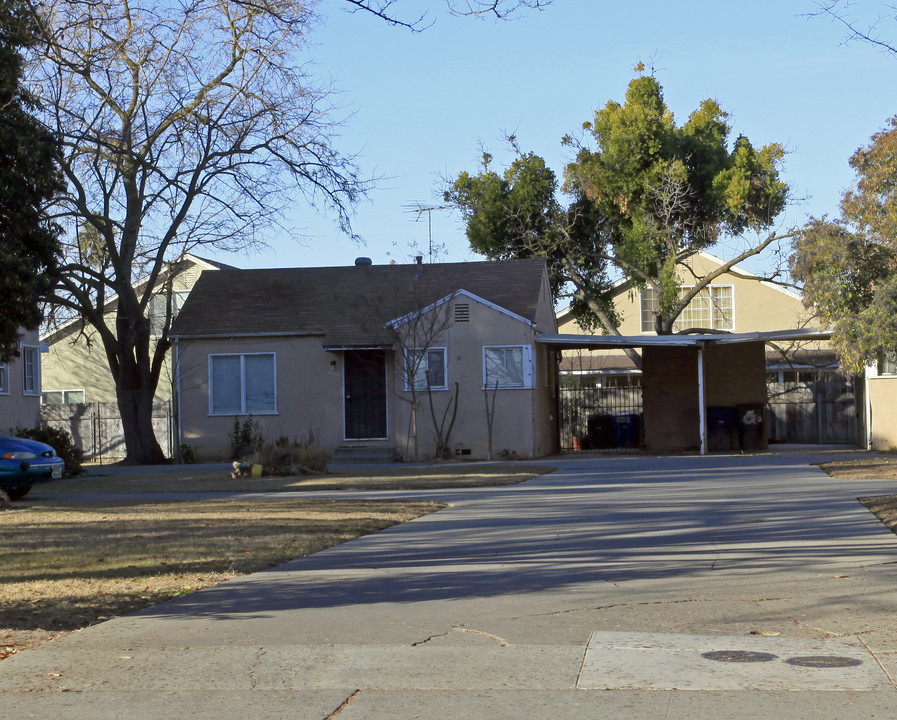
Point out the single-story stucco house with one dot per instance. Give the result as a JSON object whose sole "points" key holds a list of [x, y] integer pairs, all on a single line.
{"points": [[341, 354]]}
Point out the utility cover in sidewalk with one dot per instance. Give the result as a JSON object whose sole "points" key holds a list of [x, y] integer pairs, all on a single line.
{"points": [[654, 661]]}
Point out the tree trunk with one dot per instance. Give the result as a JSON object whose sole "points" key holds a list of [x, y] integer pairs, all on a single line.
{"points": [[136, 407], [136, 378]]}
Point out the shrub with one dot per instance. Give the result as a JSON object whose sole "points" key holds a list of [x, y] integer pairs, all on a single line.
{"points": [[245, 438], [188, 453], [289, 457], [61, 441]]}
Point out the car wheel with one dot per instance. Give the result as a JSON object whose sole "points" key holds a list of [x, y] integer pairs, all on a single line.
{"points": [[17, 493]]}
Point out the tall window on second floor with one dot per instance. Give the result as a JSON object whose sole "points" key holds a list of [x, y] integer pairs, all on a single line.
{"points": [[712, 308], [4, 378], [31, 370], [242, 384], [157, 308]]}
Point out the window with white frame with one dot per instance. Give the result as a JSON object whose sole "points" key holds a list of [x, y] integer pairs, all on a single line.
{"points": [[424, 363], [60, 397], [4, 378], [507, 366], [242, 384], [31, 370], [712, 308]]}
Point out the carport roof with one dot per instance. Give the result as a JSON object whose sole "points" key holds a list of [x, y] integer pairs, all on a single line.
{"points": [[571, 342]]}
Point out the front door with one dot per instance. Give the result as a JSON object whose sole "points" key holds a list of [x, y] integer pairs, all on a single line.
{"points": [[365, 394]]}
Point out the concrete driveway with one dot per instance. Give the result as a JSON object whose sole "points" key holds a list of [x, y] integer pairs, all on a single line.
{"points": [[616, 587]]}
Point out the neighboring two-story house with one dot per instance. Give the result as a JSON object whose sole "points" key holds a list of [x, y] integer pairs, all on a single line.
{"points": [[78, 387], [809, 400], [76, 370]]}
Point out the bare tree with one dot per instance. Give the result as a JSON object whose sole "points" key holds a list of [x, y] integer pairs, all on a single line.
{"points": [[498, 9], [416, 338], [862, 23], [184, 125], [490, 416]]}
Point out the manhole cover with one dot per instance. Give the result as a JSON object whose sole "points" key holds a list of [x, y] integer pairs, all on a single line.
{"points": [[738, 656], [824, 661]]}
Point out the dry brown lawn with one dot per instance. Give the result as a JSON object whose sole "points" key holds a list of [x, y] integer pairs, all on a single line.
{"points": [[66, 563], [883, 467], [390, 477]]}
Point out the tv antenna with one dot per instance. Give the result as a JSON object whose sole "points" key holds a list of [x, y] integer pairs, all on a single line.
{"points": [[419, 209]]}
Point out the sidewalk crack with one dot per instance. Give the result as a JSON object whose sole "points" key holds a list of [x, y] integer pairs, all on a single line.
{"points": [[253, 680], [343, 705], [500, 641]]}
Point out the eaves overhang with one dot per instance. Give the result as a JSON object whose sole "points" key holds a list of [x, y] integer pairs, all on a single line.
{"points": [[610, 342]]}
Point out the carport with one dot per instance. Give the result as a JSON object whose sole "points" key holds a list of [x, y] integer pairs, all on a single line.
{"points": [[698, 387]]}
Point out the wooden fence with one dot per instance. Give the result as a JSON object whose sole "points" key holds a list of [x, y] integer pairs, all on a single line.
{"points": [[815, 408]]}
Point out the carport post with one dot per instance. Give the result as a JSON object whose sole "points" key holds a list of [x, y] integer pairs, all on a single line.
{"points": [[702, 429]]}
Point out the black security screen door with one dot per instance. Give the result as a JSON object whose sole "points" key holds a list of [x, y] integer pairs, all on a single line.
{"points": [[365, 386]]}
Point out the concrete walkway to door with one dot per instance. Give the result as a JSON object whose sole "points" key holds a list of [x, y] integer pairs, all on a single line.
{"points": [[615, 587]]}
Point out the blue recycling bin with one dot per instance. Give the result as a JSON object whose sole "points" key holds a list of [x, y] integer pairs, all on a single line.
{"points": [[628, 429]]}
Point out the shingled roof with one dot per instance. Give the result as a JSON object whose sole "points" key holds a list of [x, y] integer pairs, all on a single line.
{"points": [[349, 306]]}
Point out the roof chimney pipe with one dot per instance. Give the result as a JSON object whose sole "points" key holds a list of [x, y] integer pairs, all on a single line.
{"points": [[363, 262], [419, 259]]}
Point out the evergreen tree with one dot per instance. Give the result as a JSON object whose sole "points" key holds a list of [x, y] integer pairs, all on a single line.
{"points": [[29, 176]]}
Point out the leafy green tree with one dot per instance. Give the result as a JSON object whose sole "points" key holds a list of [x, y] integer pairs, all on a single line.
{"points": [[29, 177], [848, 266], [643, 198]]}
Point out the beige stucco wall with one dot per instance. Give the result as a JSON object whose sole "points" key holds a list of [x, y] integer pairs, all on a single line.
{"points": [[883, 412], [310, 394], [17, 408], [522, 424]]}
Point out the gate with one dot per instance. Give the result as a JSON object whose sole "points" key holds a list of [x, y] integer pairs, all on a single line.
{"points": [[601, 419], [812, 407]]}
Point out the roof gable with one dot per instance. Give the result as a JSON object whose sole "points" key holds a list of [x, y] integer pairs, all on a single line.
{"points": [[397, 322]]}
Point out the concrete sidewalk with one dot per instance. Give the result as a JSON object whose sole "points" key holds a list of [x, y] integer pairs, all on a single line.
{"points": [[618, 587]]}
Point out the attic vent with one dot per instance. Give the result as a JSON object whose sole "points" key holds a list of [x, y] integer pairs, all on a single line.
{"points": [[462, 312]]}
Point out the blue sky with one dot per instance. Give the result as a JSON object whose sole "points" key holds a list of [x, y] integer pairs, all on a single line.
{"points": [[423, 104]]}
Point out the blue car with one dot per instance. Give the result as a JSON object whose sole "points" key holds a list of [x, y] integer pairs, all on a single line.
{"points": [[25, 462]]}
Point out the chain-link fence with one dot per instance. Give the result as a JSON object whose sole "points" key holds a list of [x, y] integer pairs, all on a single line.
{"points": [[97, 429]]}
